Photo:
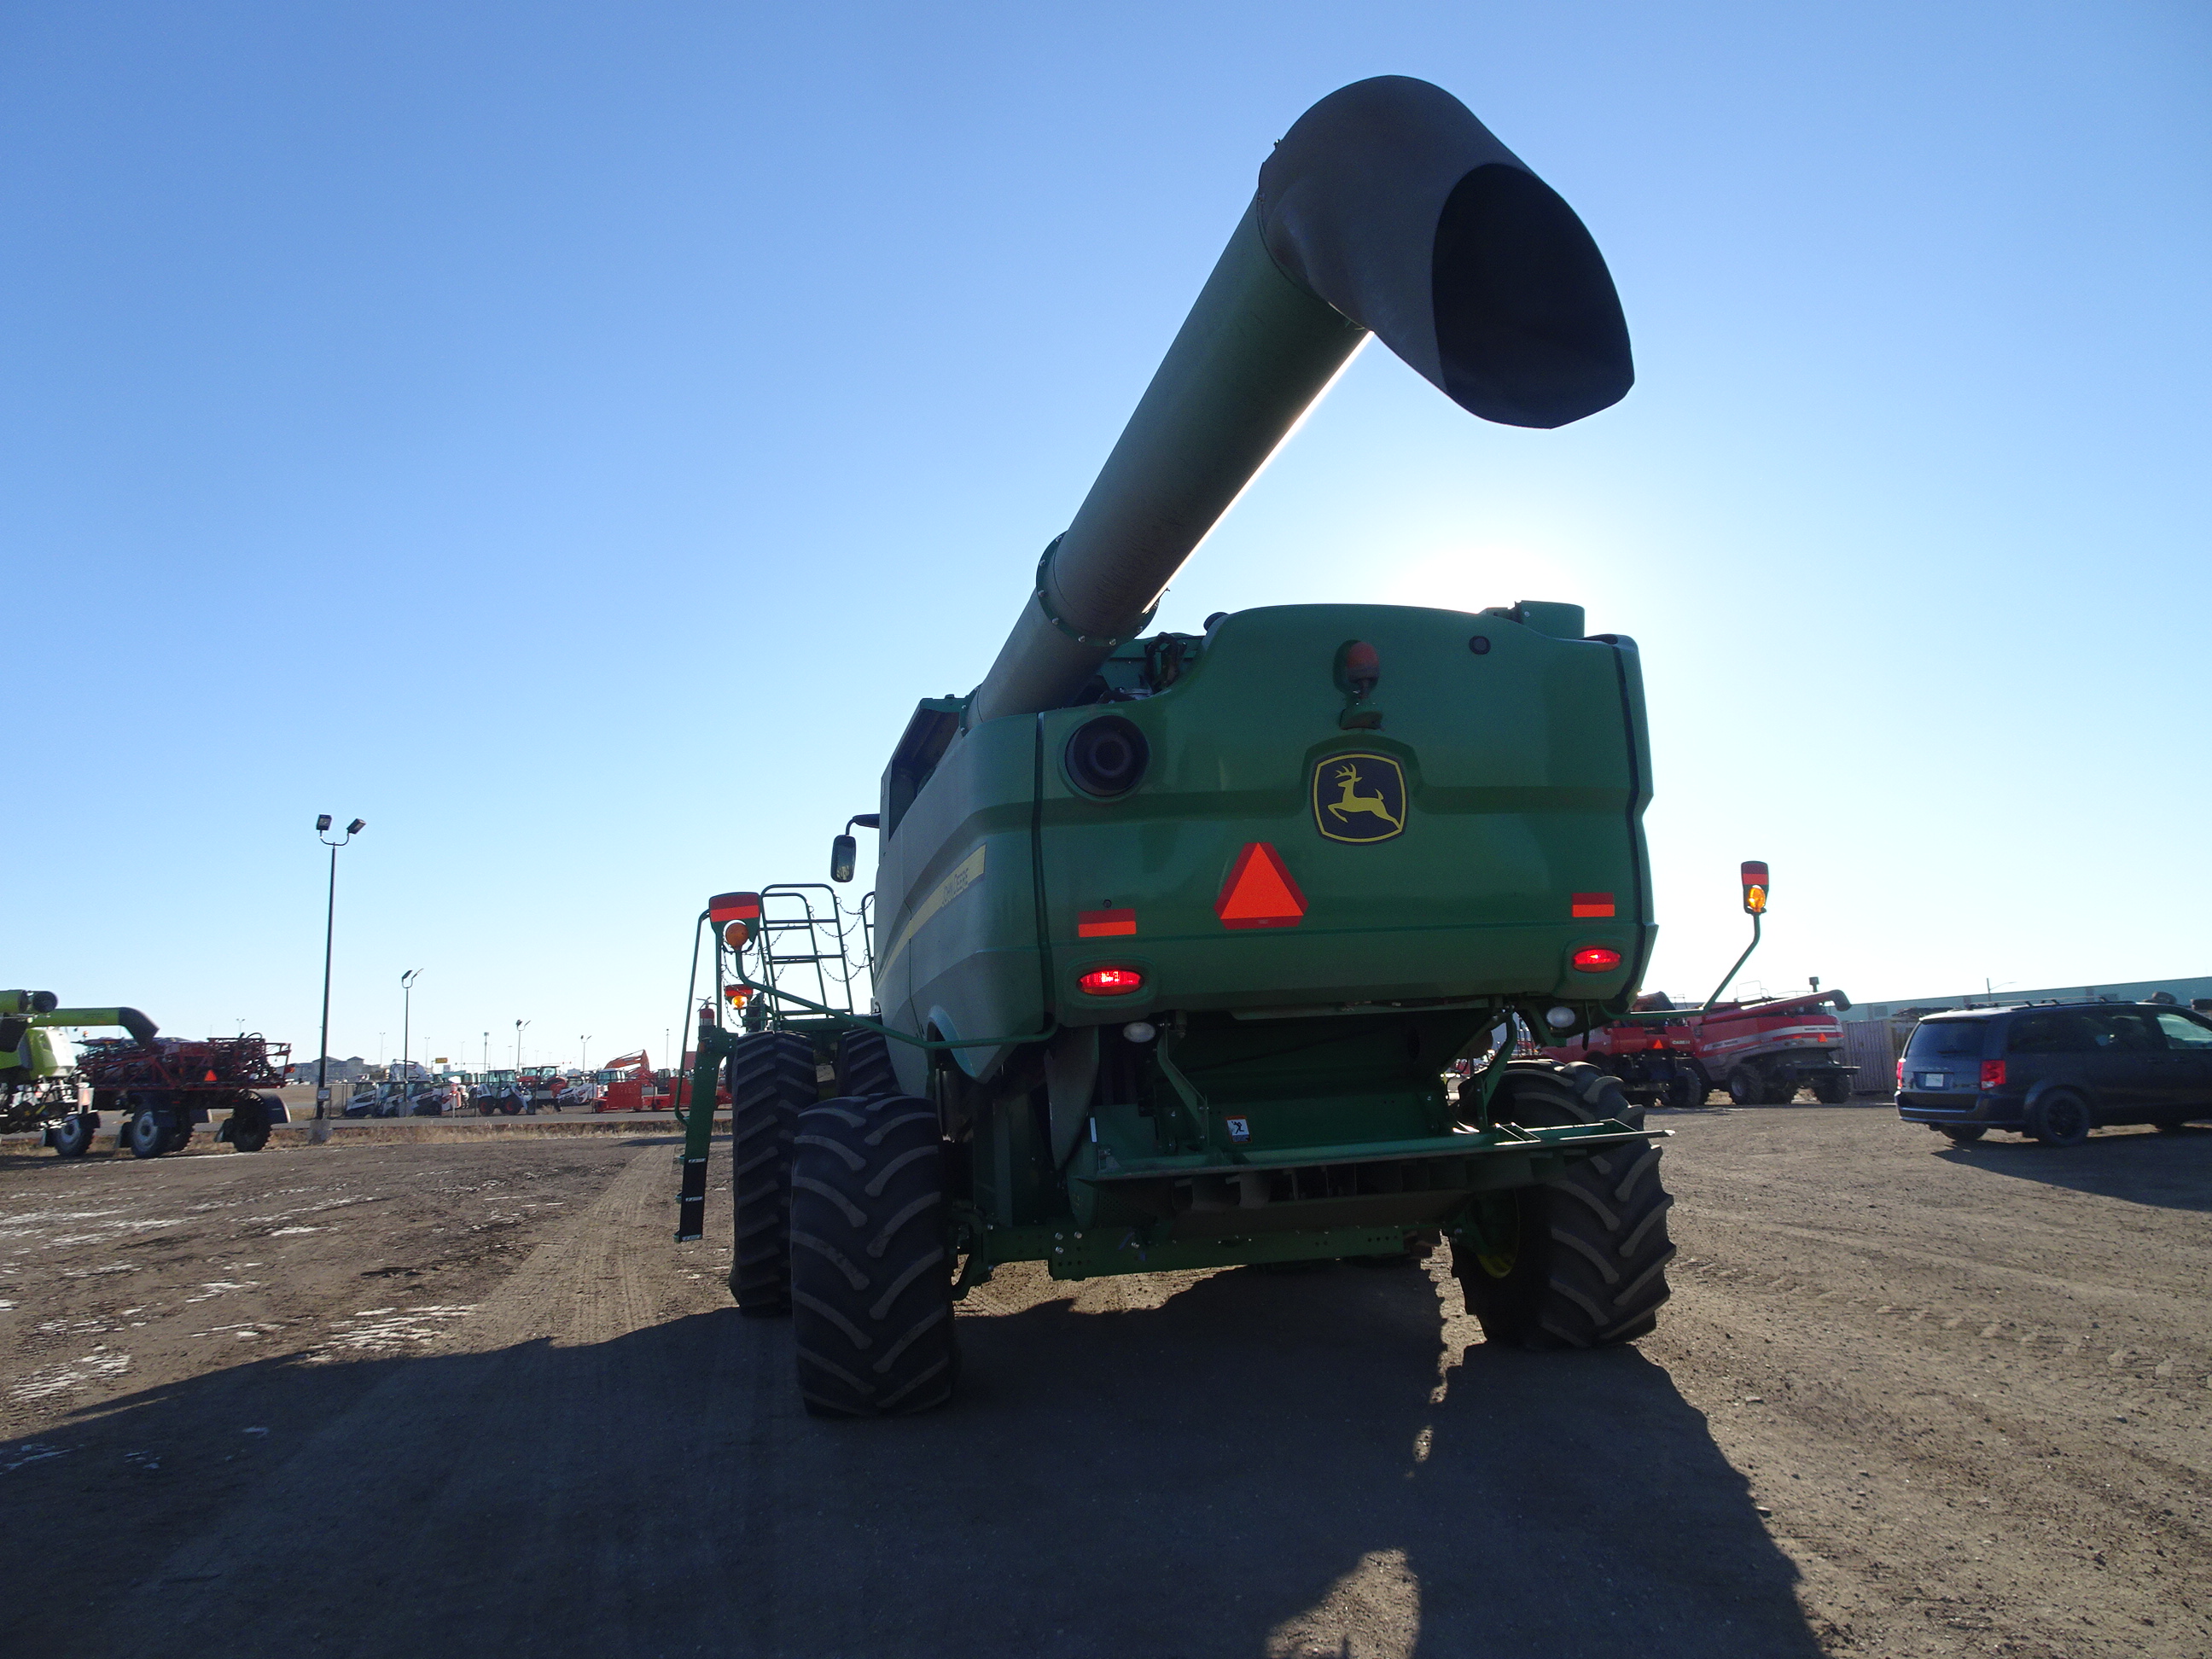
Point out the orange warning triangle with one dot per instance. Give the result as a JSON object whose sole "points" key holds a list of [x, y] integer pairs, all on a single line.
{"points": [[1260, 893]]}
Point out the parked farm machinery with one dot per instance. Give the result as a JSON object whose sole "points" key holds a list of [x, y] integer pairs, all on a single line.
{"points": [[163, 1086], [1177, 934]]}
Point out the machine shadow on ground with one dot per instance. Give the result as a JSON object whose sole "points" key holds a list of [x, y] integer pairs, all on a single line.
{"points": [[2167, 1172], [1260, 1465]]}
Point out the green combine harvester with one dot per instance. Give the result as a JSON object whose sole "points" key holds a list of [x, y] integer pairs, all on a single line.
{"points": [[1177, 937], [37, 1091]]}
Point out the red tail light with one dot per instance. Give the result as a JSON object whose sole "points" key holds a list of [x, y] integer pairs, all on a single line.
{"points": [[1900, 1073], [1111, 981], [1597, 959], [1992, 1074]]}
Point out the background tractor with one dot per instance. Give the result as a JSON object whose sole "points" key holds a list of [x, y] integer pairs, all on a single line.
{"points": [[1176, 935]]}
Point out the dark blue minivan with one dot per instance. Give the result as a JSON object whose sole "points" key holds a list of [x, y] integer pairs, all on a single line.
{"points": [[2056, 1071]]}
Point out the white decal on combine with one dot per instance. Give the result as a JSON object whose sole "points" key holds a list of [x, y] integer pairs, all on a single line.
{"points": [[965, 874]]}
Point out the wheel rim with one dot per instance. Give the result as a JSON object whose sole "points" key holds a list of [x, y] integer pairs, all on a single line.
{"points": [[1494, 1235], [2067, 1118]]}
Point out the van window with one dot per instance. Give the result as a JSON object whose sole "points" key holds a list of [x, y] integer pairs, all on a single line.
{"points": [[2060, 1033], [2122, 1032], [2183, 1032], [1946, 1039]]}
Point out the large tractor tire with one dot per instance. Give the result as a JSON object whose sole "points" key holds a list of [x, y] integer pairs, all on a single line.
{"points": [[864, 1065], [145, 1133], [247, 1131], [771, 1081], [72, 1135], [1832, 1088], [1746, 1087], [1598, 1095], [1580, 1261], [870, 1274]]}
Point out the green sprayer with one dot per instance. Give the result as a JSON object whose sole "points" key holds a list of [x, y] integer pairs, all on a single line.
{"points": [[1176, 937]]}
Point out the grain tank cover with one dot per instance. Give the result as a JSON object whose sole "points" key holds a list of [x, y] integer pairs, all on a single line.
{"points": [[1387, 208]]}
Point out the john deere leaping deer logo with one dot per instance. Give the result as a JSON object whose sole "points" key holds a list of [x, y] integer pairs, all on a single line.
{"points": [[1358, 798]]}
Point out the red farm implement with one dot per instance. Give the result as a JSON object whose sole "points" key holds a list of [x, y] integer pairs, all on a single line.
{"points": [[165, 1086]]}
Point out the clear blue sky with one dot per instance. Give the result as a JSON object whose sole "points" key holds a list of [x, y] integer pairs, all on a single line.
{"points": [[571, 437]]}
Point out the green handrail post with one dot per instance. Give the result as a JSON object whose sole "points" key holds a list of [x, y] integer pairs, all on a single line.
{"points": [[714, 1043]]}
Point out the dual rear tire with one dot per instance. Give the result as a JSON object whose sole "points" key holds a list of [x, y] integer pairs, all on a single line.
{"points": [[840, 1217], [870, 1274]]}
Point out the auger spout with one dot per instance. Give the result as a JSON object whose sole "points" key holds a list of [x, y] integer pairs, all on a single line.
{"points": [[1387, 209]]}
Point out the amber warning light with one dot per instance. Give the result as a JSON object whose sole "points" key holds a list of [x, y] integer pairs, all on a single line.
{"points": [[1754, 887]]}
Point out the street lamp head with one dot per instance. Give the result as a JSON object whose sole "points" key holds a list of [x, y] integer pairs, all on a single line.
{"points": [[322, 822], [357, 826]]}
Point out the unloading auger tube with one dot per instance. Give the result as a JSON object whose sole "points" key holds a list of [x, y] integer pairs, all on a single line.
{"points": [[1387, 209]]}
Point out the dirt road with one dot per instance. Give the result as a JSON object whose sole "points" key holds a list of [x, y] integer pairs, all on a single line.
{"points": [[377, 1399]]}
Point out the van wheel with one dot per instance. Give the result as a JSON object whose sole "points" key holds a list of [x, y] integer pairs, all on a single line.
{"points": [[870, 1274], [1579, 1263], [2061, 1118], [1964, 1134]]}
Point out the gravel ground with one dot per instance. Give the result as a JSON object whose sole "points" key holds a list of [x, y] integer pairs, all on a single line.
{"points": [[465, 1394]]}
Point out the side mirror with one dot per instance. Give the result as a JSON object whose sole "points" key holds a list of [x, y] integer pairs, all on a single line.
{"points": [[843, 851]]}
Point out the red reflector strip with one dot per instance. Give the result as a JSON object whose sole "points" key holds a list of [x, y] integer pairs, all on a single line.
{"points": [[1104, 924], [1260, 893], [1592, 904], [1597, 959], [1111, 981], [733, 907]]}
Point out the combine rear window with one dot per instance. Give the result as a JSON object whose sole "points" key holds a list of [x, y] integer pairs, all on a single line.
{"points": [[1946, 1039]]}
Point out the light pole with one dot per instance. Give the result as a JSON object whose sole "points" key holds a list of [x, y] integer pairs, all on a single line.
{"points": [[329, 924], [406, 1013], [487, 1051], [584, 1059], [519, 1025]]}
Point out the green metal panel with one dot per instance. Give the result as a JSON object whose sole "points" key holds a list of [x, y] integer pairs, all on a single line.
{"points": [[1524, 770], [957, 917]]}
